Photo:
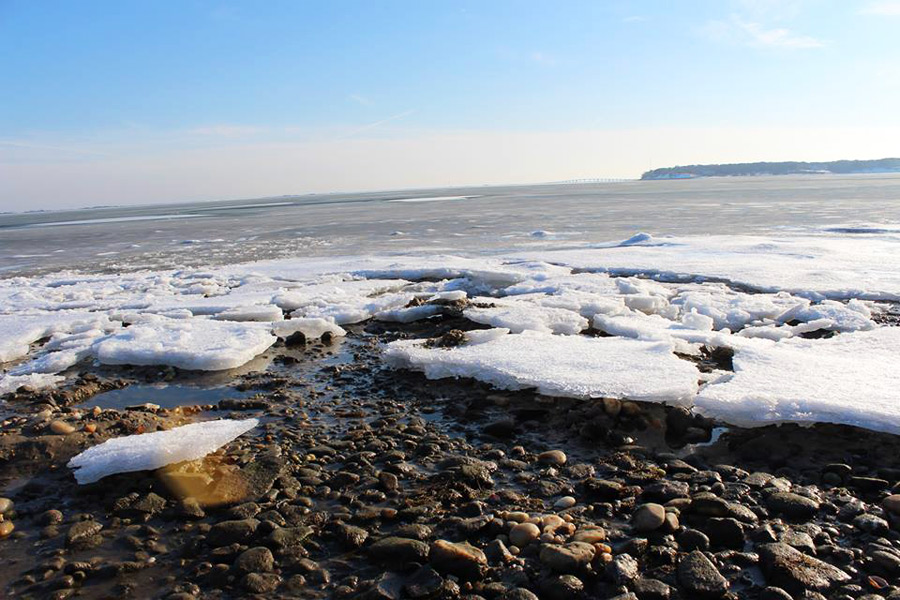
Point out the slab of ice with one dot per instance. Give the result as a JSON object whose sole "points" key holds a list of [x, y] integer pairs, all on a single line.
{"points": [[409, 314], [148, 451], [852, 378], [259, 312], [559, 365], [17, 332], [522, 316], [312, 329], [196, 344]]}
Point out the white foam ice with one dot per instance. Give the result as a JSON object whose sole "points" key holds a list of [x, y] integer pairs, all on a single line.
{"points": [[851, 379], [154, 450], [195, 344], [559, 365]]}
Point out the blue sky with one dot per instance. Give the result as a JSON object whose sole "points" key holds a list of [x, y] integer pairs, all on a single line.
{"points": [[111, 102]]}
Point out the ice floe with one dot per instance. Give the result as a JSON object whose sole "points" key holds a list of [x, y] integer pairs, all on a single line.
{"points": [[852, 378], [148, 451], [559, 365], [658, 298], [187, 344]]}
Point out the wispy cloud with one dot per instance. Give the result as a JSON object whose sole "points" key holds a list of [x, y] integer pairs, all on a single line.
{"points": [[884, 8], [378, 123], [753, 33]]}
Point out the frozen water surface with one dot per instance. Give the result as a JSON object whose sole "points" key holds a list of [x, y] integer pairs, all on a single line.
{"points": [[659, 298]]}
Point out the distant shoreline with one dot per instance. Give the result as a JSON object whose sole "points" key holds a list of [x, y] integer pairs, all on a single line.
{"points": [[757, 169]]}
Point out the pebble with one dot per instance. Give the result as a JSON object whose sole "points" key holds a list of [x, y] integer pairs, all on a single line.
{"points": [[892, 504], [255, 560], [397, 550], [553, 457], [461, 559], [569, 558], [648, 517], [622, 569], [61, 428], [523, 534], [561, 587], [564, 503], [6, 529], [700, 577], [792, 505], [788, 568]]}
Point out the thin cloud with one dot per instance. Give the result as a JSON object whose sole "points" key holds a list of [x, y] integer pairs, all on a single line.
{"points": [[756, 34], [885, 8], [370, 126]]}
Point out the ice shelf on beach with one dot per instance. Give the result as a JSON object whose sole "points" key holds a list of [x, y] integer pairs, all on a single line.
{"points": [[154, 450], [559, 365], [852, 378], [659, 300], [198, 344]]}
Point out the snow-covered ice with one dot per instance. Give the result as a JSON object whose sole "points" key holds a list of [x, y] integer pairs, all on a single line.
{"points": [[658, 297], [559, 365], [187, 344], [852, 378], [148, 451]]}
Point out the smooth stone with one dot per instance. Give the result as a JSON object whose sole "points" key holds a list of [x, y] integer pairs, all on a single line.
{"points": [[255, 560], [398, 550], [523, 534], [6, 529], [564, 503], [700, 577], [553, 457], [61, 428], [590, 536], [892, 504], [460, 559], [230, 532], [648, 517], [568, 558], [561, 587], [651, 589], [5, 505], [788, 568], [792, 505], [261, 583]]}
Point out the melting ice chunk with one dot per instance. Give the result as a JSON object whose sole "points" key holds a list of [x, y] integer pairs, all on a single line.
{"points": [[148, 451], [197, 344], [560, 365], [851, 379]]}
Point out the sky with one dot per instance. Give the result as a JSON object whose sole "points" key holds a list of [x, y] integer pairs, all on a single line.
{"points": [[151, 101]]}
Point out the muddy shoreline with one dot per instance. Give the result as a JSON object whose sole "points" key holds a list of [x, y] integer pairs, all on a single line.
{"points": [[362, 482]]}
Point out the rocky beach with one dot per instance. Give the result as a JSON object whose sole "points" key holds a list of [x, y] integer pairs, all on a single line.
{"points": [[368, 482]]}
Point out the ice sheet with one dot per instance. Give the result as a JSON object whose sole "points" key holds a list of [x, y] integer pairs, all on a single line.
{"points": [[559, 365], [196, 344], [852, 378], [154, 450]]}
